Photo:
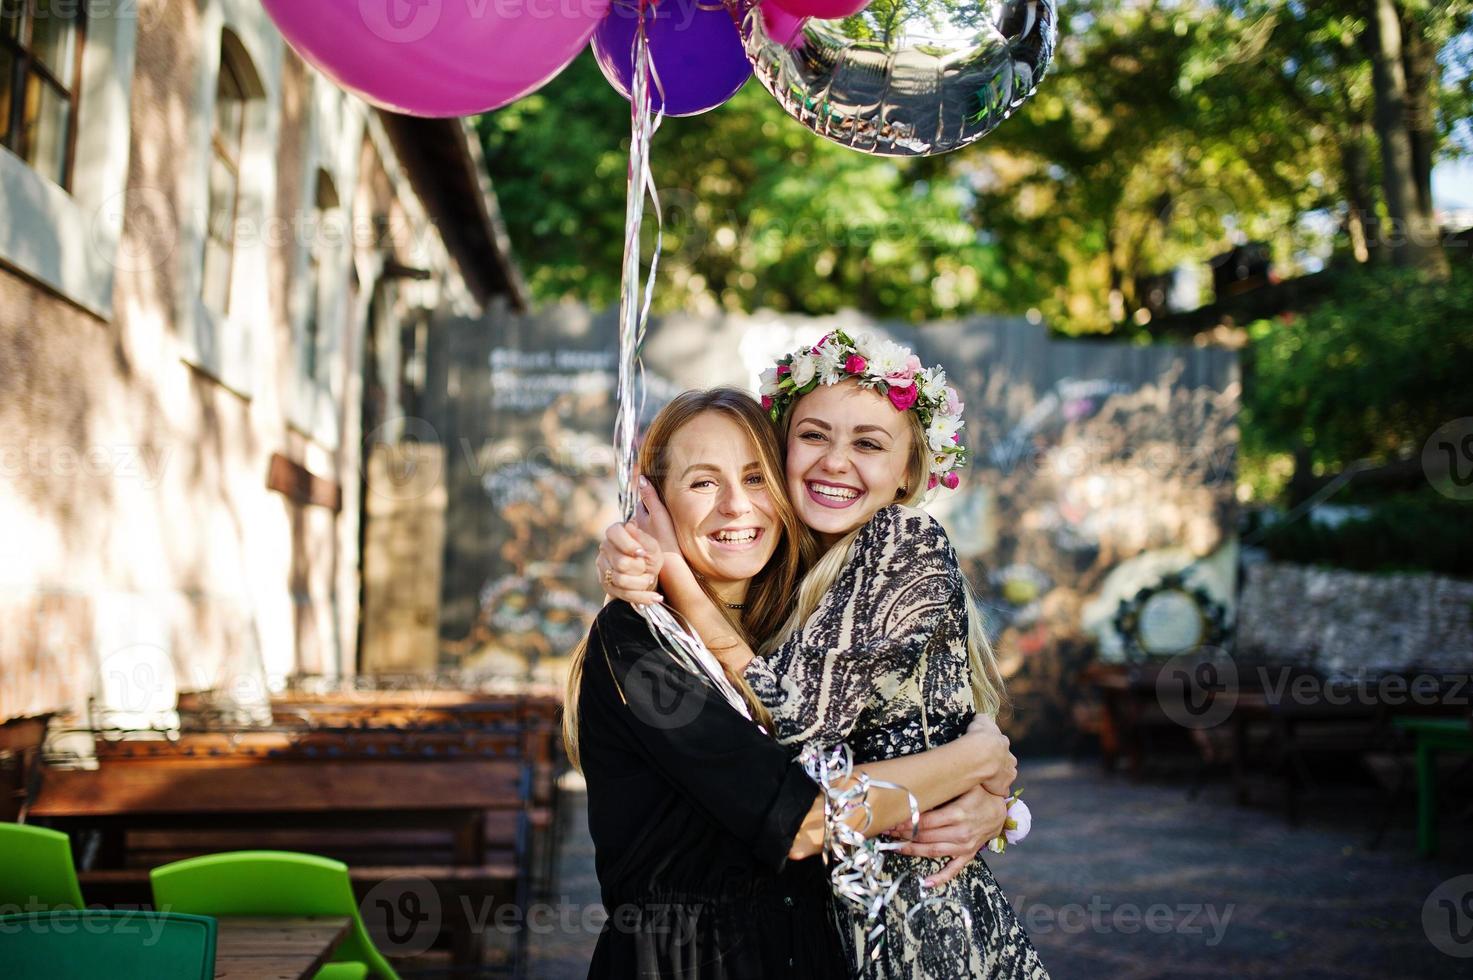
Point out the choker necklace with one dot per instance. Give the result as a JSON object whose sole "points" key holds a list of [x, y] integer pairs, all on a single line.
{"points": [[735, 605]]}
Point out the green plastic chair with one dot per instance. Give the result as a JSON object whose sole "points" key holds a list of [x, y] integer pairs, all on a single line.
{"points": [[38, 873], [274, 883], [84, 944]]}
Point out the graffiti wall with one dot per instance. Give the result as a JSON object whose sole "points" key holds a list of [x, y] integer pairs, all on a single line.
{"points": [[1098, 467]]}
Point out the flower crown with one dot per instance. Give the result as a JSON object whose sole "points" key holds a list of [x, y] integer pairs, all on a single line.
{"points": [[891, 369]]}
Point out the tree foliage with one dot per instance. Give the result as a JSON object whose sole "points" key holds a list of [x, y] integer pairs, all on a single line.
{"points": [[1166, 130], [1368, 375]]}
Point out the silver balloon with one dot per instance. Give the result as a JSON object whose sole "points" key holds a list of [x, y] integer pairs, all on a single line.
{"points": [[906, 77]]}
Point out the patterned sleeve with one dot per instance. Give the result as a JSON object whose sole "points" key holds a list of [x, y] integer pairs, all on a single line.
{"points": [[869, 629]]}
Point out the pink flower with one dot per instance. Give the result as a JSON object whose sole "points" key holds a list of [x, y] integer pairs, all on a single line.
{"points": [[951, 481], [782, 369], [1020, 821], [903, 398], [957, 438], [766, 402], [953, 401], [913, 365], [932, 483], [855, 364]]}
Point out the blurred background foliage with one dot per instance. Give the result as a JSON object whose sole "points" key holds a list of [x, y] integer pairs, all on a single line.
{"points": [[1167, 132]]}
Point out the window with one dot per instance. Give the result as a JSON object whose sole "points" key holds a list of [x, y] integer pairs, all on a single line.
{"points": [[413, 363], [40, 69], [227, 140], [325, 237]]}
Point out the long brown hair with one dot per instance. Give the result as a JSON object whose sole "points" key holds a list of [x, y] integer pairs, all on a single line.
{"points": [[987, 682], [771, 590]]}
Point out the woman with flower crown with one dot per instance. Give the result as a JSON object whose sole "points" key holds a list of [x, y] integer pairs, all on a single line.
{"points": [[884, 649]]}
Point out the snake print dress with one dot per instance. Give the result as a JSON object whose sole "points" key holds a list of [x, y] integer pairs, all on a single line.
{"points": [[882, 665]]}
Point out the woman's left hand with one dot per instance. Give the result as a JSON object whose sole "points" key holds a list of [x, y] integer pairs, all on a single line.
{"points": [[958, 831], [654, 520]]}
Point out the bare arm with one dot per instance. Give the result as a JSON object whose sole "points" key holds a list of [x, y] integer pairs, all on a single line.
{"points": [[934, 777]]}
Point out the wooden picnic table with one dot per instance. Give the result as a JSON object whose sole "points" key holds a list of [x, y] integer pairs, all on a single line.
{"points": [[271, 948]]}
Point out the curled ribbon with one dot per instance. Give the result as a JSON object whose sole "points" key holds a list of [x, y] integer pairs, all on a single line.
{"points": [[857, 863]]}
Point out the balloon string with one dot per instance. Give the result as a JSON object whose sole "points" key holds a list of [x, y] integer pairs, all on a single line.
{"points": [[634, 312]]}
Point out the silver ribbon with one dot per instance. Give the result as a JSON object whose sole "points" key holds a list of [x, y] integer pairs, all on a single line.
{"points": [[634, 314], [857, 863]]}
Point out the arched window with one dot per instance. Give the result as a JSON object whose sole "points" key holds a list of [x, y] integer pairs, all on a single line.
{"points": [[323, 245], [237, 85], [40, 75]]}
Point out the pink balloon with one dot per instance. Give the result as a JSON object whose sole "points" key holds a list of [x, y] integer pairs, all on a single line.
{"points": [[822, 9], [438, 57], [784, 28]]}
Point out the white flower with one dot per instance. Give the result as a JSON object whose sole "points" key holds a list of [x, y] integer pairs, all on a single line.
{"points": [[889, 359], [945, 462], [770, 385], [933, 384], [868, 346], [940, 434], [802, 369], [830, 362]]}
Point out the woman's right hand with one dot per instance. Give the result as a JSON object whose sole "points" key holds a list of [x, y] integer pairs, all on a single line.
{"points": [[629, 563]]}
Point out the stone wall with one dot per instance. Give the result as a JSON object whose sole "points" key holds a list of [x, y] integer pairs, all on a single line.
{"points": [[1353, 622]]}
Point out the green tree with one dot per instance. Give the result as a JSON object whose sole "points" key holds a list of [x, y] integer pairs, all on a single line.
{"points": [[1165, 131], [758, 211]]}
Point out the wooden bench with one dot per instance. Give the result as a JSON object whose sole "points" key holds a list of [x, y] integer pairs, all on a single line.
{"points": [[536, 719]]}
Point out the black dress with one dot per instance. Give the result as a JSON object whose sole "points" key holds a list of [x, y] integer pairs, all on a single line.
{"points": [[692, 810]]}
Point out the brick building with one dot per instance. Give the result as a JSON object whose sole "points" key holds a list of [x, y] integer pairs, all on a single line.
{"points": [[217, 276]]}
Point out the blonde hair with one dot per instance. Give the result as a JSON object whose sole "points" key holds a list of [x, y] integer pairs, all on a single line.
{"points": [[987, 683], [769, 592]]}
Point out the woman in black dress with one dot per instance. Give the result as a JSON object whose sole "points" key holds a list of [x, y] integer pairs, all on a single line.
{"points": [[705, 828]]}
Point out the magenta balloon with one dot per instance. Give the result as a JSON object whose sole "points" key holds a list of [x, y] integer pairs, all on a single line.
{"points": [[822, 9], [784, 28], [438, 57]]}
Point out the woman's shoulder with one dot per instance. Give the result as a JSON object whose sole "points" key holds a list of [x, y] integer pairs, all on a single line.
{"points": [[899, 523], [621, 630], [617, 615]]}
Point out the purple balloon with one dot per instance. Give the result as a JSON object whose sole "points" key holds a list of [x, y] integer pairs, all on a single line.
{"points": [[438, 57], [695, 46]]}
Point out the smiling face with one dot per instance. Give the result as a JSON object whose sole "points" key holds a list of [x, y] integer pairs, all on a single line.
{"points": [[720, 503], [849, 454]]}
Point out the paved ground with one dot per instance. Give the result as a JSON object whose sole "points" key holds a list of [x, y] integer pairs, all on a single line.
{"points": [[1135, 881]]}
